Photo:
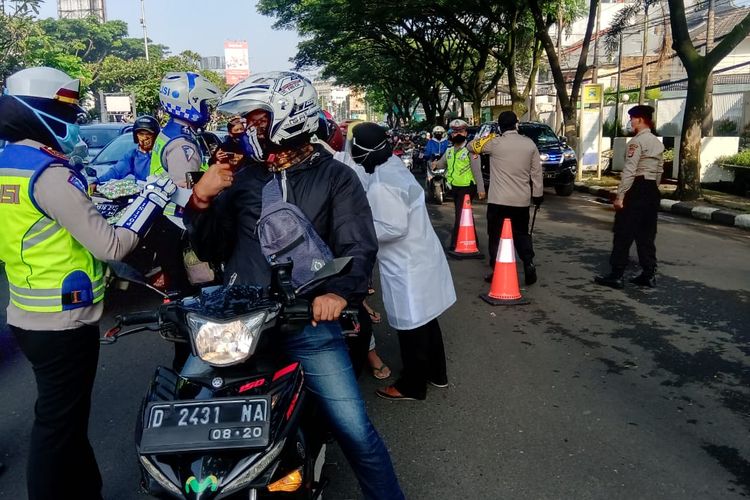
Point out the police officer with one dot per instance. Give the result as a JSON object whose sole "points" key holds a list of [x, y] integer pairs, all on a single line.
{"points": [[637, 203], [185, 97], [515, 181], [459, 173], [53, 245]]}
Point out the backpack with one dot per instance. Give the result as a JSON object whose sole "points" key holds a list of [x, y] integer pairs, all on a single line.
{"points": [[285, 233]]}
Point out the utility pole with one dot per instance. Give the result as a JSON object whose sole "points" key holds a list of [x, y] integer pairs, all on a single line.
{"points": [[708, 123], [617, 92], [558, 108], [145, 32], [644, 67], [594, 79]]}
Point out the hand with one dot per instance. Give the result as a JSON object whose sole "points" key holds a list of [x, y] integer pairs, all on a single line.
{"points": [[538, 200], [482, 196], [218, 177], [159, 189], [327, 307], [433, 165], [618, 204], [221, 156]]}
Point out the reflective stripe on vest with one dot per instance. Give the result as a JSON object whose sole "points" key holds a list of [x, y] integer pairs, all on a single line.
{"points": [[48, 270], [458, 172]]}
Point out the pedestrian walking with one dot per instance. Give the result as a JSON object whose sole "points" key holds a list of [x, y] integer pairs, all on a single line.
{"points": [[459, 173], [53, 245], [414, 274], [515, 181], [637, 203]]}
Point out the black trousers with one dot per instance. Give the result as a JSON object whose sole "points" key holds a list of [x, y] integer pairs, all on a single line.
{"points": [[64, 364], [519, 220], [423, 357], [458, 204], [636, 222]]}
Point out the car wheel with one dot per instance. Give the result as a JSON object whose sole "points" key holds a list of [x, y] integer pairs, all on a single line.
{"points": [[565, 189]]}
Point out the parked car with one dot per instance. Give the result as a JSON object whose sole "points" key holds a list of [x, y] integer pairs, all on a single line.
{"points": [[98, 135], [559, 162]]}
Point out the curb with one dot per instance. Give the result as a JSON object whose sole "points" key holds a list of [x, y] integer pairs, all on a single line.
{"points": [[712, 214]]}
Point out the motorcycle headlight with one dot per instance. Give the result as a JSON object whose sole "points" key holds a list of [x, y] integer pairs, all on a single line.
{"points": [[544, 156], [224, 344]]}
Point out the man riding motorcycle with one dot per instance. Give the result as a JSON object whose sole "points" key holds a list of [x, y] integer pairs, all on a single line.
{"points": [[136, 162], [222, 217]]}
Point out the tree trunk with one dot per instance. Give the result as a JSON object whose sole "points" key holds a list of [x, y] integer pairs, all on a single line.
{"points": [[476, 110], [688, 180]]}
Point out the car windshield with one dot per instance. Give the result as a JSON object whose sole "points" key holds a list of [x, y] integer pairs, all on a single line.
{"points": [[115, 150], [540, 134], [98, 137]]}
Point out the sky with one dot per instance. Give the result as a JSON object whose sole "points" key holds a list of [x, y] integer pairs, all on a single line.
{"points": [[202, 26]]}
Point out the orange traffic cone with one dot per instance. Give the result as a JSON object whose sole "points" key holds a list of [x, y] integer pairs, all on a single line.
{"points": [[466, 243], [504, 289]]}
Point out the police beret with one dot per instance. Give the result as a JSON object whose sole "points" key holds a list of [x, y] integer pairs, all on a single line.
{"points": [[642, 111]]}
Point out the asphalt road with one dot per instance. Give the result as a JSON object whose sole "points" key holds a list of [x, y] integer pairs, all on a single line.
{"points": [[586, 393]]}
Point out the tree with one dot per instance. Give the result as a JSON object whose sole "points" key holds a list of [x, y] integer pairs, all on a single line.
{"points": [[16, 25], [698, 69]]}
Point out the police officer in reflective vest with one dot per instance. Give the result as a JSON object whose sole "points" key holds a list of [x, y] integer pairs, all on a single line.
{"points": [[459, 173], [637, 203], [53, 244], [185, 97]]}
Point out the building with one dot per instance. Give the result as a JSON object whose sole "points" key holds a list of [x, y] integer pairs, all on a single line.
{"points": [[81, 9], [213, 63]]}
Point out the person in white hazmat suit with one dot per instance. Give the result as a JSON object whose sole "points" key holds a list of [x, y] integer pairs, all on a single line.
{"points": [[414, 275]]}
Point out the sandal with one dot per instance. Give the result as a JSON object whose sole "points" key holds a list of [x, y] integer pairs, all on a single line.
{"points": [[374, 316], [392, 393], [382, 372]]}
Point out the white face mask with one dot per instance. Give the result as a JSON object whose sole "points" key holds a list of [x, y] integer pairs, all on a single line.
{"points": [[629, 128]]}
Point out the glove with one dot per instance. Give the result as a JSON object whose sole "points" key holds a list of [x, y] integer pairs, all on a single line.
{"points": [[141, 213], [538, 200]]}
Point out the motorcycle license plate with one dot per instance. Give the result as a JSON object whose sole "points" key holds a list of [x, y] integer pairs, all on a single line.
{"points": [[549, 175], [202, 425]]}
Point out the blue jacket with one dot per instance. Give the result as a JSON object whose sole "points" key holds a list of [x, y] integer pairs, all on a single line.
{"points": [[136, 163], [436, 148]]}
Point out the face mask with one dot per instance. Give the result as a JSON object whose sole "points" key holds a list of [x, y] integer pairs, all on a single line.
{"points": [[629, 128], [458, 139], [438, 136], [251, 144], [72, 130]]}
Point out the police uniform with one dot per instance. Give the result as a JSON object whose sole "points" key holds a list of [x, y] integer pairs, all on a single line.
{"points": [[639, 193], [515, 176], [459, 174], [53, 245]]}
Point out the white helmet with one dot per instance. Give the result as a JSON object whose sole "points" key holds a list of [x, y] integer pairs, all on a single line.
{"points": [[438, 130], [288, 97], [458, 123], [186, 95]]}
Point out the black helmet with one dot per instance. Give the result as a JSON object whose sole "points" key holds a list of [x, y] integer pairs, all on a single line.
{"points": [[147, 123]]}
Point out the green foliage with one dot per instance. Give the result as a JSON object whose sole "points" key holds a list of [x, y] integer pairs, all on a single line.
{"points": [[741, 159], [668, 155], [16, 25], [725, 128], [609, 129]]}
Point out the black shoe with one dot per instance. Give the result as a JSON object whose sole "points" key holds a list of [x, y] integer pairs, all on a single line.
{"points": [[646, 280], [439, 385], [529, 273], [488, 278], [611, 280]]}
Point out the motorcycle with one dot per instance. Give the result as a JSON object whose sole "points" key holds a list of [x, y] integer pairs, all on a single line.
{"points": [[436, 185], [235, 420]]}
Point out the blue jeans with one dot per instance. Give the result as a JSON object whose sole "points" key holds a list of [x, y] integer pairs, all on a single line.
{"points": [[329, 378]]}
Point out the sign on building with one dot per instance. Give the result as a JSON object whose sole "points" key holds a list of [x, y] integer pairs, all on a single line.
{"points": [[237, 61]]}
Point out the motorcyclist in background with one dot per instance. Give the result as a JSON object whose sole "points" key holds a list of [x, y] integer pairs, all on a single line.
{"points": [[137, 162], [437, 146]]}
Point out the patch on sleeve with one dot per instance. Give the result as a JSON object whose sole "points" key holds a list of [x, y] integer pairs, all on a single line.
{"points": [[75, 181], [189, 152], [632, 149]]}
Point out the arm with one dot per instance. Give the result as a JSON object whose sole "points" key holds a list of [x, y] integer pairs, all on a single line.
{"points": [[537, 181], [62, 200], [352, 235], [180, 157], [212, 230], [122, 169], [627, 177], [390, 214], [476, 170]]}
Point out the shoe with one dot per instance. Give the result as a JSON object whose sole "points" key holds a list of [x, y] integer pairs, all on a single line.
{"points": [[392, 394], [439, 386], [645, 280], [611, 280], [488, 278], [529, 273]]}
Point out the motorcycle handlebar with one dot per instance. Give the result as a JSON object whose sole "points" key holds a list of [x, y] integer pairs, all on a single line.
{"points": [[301, 310], [139, 318]]}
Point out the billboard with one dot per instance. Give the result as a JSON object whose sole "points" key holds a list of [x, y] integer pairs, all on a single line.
{"points": [[237, 63]]}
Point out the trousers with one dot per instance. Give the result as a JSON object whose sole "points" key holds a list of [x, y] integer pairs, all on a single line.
{"points": [[636, 222], [519, 220], [329, 377], [64, 364], [423, 356], [459, 192]]}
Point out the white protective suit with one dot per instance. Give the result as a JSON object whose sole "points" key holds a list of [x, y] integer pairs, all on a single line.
{"points": [[414, 274]]}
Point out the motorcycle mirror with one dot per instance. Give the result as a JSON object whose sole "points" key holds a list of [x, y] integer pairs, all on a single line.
{"points": [[337, 266], [129, 273], [90, 171]]}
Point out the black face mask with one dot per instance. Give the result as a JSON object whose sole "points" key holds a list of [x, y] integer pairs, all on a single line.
{"points": [[438, 136], [458, 139]]}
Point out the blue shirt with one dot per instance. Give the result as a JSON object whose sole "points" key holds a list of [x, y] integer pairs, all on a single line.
{"points": [[135, 163], [435, 148]]}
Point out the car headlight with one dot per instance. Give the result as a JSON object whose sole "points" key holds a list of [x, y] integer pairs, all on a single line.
{"points": [[569, 154], [544, 157], [224, 344]]}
